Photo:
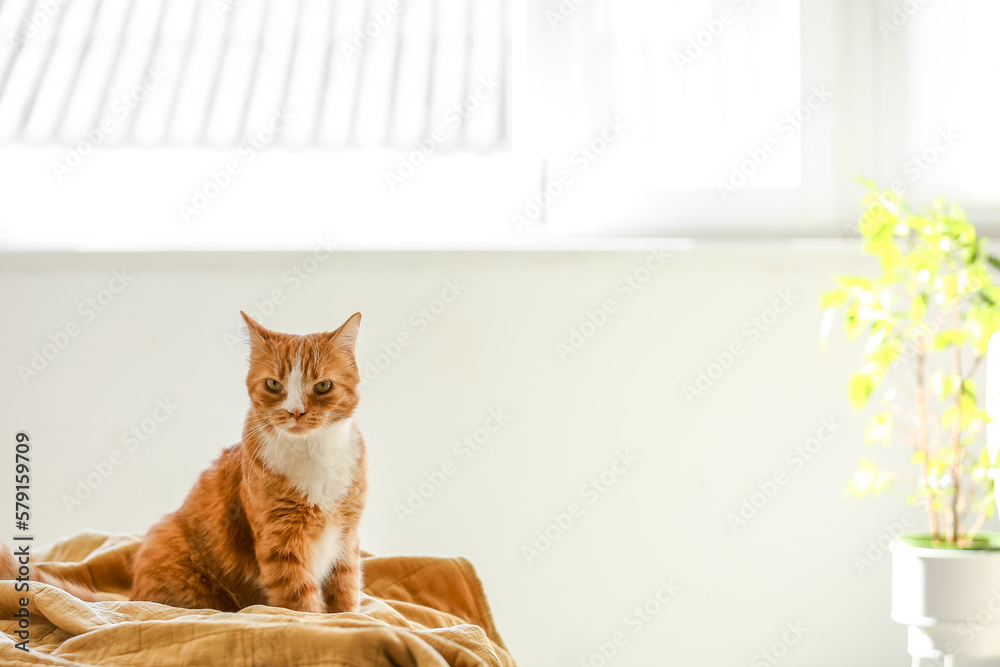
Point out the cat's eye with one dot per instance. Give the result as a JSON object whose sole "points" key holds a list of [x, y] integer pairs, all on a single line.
{"points": [[272, 385], [323, 387]]}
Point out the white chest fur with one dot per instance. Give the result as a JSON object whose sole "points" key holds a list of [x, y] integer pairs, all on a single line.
{"points": [[321, 464]]}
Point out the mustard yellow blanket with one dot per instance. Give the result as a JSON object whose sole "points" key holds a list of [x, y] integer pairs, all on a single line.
{"points": [[416, 612]]}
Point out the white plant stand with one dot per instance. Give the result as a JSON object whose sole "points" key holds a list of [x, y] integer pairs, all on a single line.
{"points": [[950, 599]]}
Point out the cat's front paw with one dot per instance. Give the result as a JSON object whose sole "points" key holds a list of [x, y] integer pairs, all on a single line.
{"points": [[313, 606], [339, 606], [310, 603]]}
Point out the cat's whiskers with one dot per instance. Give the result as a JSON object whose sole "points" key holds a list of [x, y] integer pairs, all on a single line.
{"points": [[258, 428], [257, 419], [229, 457], [253, 426], [256, 446]]}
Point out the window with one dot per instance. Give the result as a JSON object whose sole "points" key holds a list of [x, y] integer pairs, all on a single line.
{"points": [[712, 99], [192, 72], [948, 100], [225, 124]]}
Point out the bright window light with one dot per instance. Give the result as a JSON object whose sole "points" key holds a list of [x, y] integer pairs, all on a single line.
{"points": [[953, 100], [156, 125]]}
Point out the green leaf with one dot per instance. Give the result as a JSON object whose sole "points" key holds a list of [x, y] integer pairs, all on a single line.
{"points": [[860, 282], [982, 322], [853, 324], [868, 183], [945, 385], [882, 244], [989, 293], [937, 466], [865, 480], [886, 352], [879, 428], [956, 212], [949, 285], [834, 298], [949, 337], [984, 457], [859, 390], [970, 390], [972, 254]]}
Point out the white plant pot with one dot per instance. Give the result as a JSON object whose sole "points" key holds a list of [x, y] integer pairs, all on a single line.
{"points": [[950, 599]]}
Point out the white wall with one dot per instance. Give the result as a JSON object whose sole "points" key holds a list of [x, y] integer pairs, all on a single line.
{"points": [[164, 337]]}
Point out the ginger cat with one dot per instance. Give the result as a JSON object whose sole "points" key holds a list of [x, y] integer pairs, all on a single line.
{"points": [[274, 520]]}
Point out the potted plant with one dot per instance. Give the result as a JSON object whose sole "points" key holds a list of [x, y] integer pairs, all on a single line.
{"points": [[927, 318]]}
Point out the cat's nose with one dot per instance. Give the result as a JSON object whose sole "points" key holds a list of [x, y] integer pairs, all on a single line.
{"points": [[296, 413]]}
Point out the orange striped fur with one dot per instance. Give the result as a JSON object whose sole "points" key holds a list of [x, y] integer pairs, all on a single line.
{"points": [[274, 520]]}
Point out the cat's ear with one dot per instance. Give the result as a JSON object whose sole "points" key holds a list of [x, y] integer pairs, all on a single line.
{"points": [[258, 334], [346, 337]]}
